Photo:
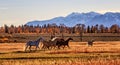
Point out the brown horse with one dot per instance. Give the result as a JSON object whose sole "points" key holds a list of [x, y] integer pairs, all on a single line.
{"points": [[63, 43], [90, 42], [49, 44]]}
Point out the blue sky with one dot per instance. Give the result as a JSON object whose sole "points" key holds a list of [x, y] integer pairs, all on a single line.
{"points": [[18, 12]]}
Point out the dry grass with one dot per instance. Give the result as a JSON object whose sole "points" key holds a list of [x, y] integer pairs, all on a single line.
{"points": [[10, 47], [61, 62], [75, 47], [101, 53]]}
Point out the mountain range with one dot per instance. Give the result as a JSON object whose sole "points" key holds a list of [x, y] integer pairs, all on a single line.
{"points": [[91, 18]]}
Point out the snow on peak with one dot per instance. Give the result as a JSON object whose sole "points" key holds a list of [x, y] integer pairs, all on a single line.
{"points": [[90, 18]]}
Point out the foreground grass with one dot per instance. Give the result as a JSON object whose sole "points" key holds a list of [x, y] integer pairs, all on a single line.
{"points": [[45, 58], [102, 53], [71, 61]]}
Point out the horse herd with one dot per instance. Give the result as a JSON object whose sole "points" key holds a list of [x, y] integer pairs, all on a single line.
{"points": [[51, 44]]}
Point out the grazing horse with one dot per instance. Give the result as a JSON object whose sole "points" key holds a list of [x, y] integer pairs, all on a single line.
{"points": [[33, 43], [90, 43], [63, 43]]}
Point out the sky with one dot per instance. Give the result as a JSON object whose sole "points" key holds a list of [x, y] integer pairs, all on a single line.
{"points": [[18, 12]]}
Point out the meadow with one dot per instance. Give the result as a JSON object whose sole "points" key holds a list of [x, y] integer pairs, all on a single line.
{"points": [[101, 53]]}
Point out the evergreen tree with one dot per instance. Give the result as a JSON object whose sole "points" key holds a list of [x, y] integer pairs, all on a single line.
{"points": [[6, 28]]}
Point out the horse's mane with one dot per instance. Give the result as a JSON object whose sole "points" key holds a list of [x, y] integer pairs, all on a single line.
{"points": [[53, 39]]}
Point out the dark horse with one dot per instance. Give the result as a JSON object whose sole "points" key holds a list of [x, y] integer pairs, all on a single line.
{"points": [[90, 43], [63, 43]]}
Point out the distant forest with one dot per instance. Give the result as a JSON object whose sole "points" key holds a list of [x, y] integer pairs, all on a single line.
{"points": [[55, 29]]}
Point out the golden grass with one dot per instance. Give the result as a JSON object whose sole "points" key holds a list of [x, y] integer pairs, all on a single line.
{"points": [[101, 53], [41, 58], [10, 47], [60, 62], [75, 47]]}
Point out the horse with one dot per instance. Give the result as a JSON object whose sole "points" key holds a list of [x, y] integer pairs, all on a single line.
{"points": [[63, 43], [33, 43], [49, 44], [90, 42]]}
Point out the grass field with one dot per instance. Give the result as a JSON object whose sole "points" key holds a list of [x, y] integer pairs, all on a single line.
{"points": [[101, 53]]}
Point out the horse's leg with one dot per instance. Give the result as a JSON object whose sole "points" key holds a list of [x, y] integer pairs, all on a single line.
{"points": [[59, 46], [47, 47], [26, 48], [64, 46], [54, 47], [42, 46], [68, 46], [30, 48], [39, 48], [36, 47], [50, 47]]}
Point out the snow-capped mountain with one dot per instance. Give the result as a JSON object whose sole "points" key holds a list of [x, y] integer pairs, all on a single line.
{"points": [[90, 18]]}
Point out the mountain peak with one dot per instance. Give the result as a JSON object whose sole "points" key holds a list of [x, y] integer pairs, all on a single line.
{"points": [[73, 14], [90, 18], [93, 13]]}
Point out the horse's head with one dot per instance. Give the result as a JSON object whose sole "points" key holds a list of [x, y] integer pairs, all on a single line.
{"points": [[41, 38]]}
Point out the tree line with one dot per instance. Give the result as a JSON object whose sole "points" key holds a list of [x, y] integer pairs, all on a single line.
{"points": [[57, 29]]}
